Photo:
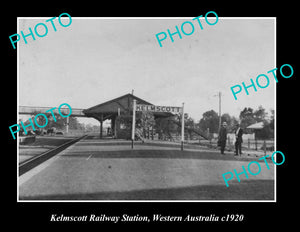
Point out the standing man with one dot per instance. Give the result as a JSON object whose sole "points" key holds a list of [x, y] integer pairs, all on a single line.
{"points": [[222, 137], [238, 139]]}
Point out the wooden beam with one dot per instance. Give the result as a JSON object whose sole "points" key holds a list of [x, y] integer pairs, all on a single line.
{"points": [[101, 125]]}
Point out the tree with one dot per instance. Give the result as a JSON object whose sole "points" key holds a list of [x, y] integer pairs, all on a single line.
{"points": [[92, 128], [247, 117], [74, 124], [209, 120], [260, 114], [188, 121], [272, 119], [59, 122]]}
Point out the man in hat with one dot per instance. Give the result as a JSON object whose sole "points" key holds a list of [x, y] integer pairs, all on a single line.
{"points": [[238, 139], [222, 137]]}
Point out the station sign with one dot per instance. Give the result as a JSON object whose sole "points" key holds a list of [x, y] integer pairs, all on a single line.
{"points": [[153, 108]]}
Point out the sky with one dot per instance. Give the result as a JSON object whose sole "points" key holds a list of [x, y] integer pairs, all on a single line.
{"points": [[97, 59]]}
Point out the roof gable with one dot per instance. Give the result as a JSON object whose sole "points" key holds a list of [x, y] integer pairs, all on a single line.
{"points": [[124, 103]]}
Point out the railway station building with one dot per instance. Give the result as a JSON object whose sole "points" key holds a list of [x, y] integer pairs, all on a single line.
{"points": [[119, 111]]}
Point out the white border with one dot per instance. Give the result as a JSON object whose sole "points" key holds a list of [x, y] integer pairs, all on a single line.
{"points": [[151, 201], [18, 103]]}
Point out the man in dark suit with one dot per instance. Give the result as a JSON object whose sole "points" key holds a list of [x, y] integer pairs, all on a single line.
{"points": [[222, 137], [238, 139]]}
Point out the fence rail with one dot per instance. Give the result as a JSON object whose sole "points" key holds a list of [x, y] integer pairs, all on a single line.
{"points": [[248, 144]]}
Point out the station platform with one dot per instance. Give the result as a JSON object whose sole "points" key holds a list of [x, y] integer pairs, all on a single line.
{"points": [[110, 170]]}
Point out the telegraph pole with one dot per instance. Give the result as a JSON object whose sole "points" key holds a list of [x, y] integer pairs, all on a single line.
{"points": [[219, 95], [133, 123], [182, 127], [219, 110], [67, 125]]}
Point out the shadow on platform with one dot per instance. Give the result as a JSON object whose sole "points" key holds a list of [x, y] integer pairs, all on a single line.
{"points": [[246, 190], [156, 153]]}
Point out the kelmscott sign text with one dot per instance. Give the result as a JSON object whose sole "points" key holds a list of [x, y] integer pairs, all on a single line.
{"points": [[153, 108]]}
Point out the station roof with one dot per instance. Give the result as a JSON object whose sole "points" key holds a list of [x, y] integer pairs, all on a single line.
{"points": [[258, 125], [109, 109]]}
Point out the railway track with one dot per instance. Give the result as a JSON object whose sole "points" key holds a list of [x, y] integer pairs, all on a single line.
{"points": [[36, 160]]}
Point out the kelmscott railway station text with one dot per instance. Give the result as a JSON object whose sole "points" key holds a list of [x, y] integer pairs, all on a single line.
{"points": [[153, 218]]}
